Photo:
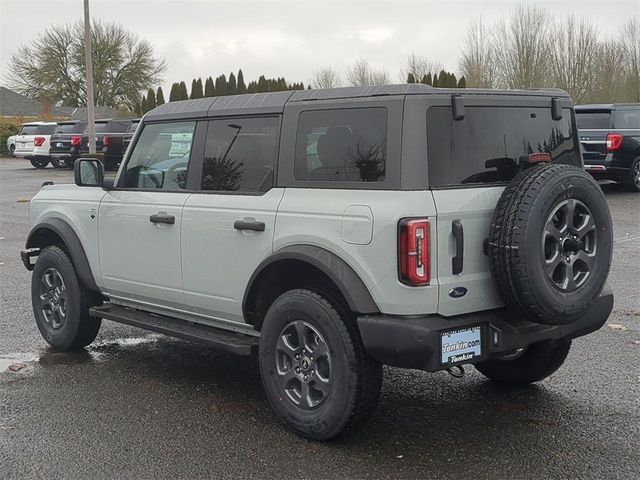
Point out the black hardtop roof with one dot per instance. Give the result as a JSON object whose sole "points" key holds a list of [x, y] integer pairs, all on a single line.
{"points": [[275, 101], [606, 106]]}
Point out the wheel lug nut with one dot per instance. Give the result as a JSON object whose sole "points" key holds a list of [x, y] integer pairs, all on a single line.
{"points": [[297, 357], [306, 377], [297, 369]]}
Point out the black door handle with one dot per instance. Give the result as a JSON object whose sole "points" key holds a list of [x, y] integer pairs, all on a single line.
{"points": [[457, 262], [249, 225], [160, 218]]}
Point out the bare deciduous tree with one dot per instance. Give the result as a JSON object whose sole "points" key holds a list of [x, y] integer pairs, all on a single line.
{"points": [[573, 57], [362, 73], [419, 66], [52, 66], [522, 47], [325, 77], [477, 62], [629, 39], [606, 86]]}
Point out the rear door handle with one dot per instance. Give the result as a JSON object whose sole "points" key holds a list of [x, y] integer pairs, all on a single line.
{"points": [[162, 218], [457, 262], [249, 225]]}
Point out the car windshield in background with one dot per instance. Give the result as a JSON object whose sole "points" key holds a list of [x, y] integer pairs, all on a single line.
{"points": [[593, 120], [69, 128], [626, 119], [29, 130], [487, 146]]}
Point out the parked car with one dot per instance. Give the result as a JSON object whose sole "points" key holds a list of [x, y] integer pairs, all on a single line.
{"points": [[32, 142], [11, 144], [66, 135], [334, 231], [610, 138], [109, 138]]}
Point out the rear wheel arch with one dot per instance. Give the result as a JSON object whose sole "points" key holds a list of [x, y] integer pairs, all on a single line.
{"points": [[304, 266], [57, 232]]}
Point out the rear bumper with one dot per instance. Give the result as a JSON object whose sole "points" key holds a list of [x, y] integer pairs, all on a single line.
{"points": [[414, 342]]}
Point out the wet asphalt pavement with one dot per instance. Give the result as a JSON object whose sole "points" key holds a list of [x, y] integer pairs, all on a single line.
{"points": [[139, 405]]}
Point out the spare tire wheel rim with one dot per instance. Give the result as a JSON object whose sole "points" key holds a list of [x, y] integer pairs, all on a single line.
{"points": [[303, 365], [569, 244]]}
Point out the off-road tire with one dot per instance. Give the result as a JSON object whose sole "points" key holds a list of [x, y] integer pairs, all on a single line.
{"points": [[629, 181], [79, 328], [356, 377], [38, 163], [516, 247], [536, 363]]}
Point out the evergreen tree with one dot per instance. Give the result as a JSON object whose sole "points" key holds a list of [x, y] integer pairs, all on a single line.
{"points": [[462, 83], [151, 99], [182, 92], [435, 83], [159, 97], [232, 87], [252, 87], [137, 109], [242, 88], [209, 90], [262, 84], [174, 93], [411, 78], [196, 89], [221, 86], [143, 105], [428, 80]]}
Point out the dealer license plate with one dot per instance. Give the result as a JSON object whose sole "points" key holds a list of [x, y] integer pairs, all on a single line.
{"points": [[460, 346]]}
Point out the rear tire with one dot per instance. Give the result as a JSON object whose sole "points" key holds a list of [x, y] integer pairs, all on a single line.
{"points": [[536, 363], [58, 163], [61, 304], [39, 163], [343, 383], [632, 180]]}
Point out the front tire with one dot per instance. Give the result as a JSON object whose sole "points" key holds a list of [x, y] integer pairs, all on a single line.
{"points": [[60, 303], [536, 363], [317, 377], [39, 162]]}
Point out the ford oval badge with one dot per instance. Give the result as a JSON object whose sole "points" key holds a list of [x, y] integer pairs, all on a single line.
{"points": [[457, 292]]}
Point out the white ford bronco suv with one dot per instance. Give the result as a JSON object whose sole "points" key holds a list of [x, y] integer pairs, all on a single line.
{"points": [[335, 231]]}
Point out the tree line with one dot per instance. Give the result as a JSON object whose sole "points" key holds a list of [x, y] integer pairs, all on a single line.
{"points": [[218, 87]]}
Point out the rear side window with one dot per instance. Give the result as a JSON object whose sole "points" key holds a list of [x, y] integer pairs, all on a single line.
{"points": [[348, 145], [160, 158], [593, 120], [240, 154], [46, 129], [626, 119], [29, 130], [488, 145]]}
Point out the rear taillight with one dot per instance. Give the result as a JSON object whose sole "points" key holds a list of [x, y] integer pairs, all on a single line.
{"points": [[538, 157], [75, 140], [106, 140], [413, 251], [38, 141], [614, 142]]}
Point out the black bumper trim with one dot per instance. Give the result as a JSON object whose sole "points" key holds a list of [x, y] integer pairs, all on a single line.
{"points": [[414, 342]]}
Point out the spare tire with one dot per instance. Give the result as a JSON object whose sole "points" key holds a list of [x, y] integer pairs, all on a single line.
{"points": [[550, 243]]}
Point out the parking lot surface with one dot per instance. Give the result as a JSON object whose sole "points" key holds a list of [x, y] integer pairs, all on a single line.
{"points": [[139, 405]]}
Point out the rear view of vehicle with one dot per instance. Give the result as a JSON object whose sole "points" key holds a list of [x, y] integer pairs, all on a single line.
{"points": [[113, 142], [32, 143], [66, 135], [610, 138]]}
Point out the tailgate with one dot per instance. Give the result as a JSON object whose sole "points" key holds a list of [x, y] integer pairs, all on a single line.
{"points": [[594, 145]]}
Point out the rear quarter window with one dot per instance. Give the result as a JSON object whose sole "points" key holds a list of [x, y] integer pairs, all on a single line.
{"points": [[488, 144]]}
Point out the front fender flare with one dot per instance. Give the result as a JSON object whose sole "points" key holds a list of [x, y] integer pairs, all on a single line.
{"points": [[72, 245], [339, 272]]}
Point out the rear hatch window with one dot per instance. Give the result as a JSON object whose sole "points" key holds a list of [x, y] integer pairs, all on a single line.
{"points": [[626, 119], [101, 127], [488, 145], [29, 130], [593, 119], [69, 128], [46, 129]]}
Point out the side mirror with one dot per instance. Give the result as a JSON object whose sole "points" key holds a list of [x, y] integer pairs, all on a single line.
{"points": [[88, 172]]}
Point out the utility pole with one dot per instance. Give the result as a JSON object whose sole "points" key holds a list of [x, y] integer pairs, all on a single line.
{"points": [[91, 115]]}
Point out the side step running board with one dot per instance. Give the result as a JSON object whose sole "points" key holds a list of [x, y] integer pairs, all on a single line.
{"points": [[175, 327]]}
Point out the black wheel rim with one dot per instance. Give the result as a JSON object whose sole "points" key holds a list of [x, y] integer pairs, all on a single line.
{"points": [[569, 243], [303, 365], [53, 298], [636, 174]]}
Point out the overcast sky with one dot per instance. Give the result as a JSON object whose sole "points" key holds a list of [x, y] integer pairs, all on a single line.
{"points": [[292, 38]]}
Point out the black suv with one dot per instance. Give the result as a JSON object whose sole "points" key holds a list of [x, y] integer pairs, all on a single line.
{"points": [[610, 138], [110, 134], [66, 135]]}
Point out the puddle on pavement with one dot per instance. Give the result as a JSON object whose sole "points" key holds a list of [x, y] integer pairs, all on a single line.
{"points": [[49, 357]]}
